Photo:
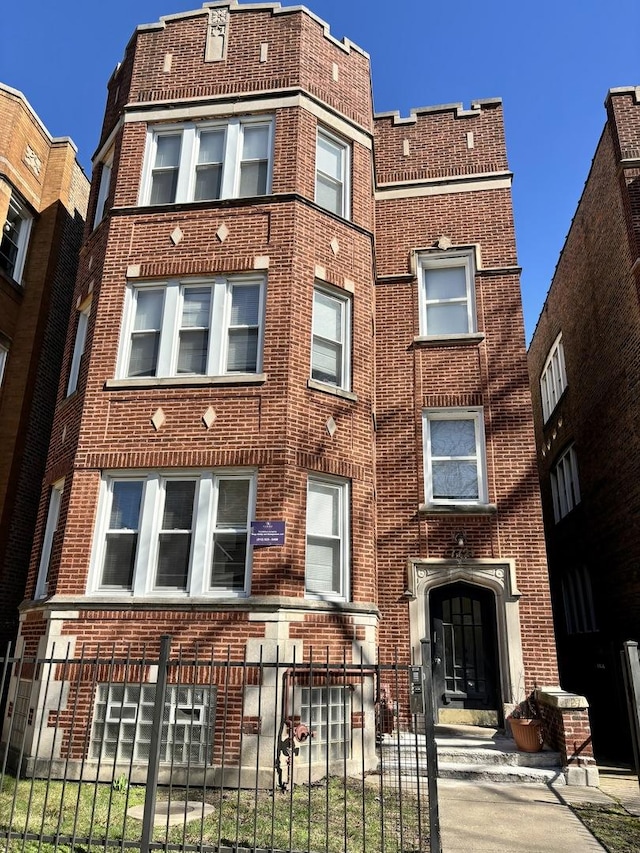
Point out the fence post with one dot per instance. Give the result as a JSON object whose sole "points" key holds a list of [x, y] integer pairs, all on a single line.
{"points": [[435, 843], [631, 673], [154, 746]]}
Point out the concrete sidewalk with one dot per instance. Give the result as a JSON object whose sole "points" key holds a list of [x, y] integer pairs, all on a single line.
{"points": [[490, 818]]}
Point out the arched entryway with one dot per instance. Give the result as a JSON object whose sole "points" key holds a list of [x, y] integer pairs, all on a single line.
{"points": [[487, 592], [465, 654]]}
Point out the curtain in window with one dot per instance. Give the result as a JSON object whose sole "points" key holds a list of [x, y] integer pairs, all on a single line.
{"points": [[454, 459]]}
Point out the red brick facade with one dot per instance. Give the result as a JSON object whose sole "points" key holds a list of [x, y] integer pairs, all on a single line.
{"points": [[42, 176], [441, 191], [592, 543]]}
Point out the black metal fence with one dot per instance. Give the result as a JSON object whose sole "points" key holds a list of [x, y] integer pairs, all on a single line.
{"points": [[201, 752]]}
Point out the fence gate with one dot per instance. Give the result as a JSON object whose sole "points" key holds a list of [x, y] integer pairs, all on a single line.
{"points": [[185, 751]]}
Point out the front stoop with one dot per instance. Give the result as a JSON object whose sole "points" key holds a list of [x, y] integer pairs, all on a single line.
{"points": [[471, 753]]}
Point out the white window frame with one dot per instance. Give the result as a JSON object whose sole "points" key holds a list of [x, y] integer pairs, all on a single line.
{"points": [[344, 179], [26, 220], [447, 260], [103, 190], [53, 517], [565, 486], [341, 488], [344, 359], [78, 346], [476, 416], [219, 325], [553, 379], [203, 530], [4, 355], [190, 135]]}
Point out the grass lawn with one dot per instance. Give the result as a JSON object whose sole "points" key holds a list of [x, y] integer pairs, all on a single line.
{"points": [[612, 825], [334, 816]]}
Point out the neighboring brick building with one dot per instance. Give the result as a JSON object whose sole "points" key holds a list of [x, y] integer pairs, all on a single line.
{"points": [[584, 363], [43, 202], [268, 335]]}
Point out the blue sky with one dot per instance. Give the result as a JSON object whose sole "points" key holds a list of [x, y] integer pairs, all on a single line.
{"points": [[552, 63]]}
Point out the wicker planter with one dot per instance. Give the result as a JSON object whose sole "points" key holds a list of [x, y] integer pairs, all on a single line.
{"points": [[527, 734]]}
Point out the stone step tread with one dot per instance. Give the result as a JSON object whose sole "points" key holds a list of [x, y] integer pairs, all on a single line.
{"points": [[497, 773], [545, 758]]}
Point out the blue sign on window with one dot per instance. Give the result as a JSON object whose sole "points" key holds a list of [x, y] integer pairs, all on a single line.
{"points": [[267, 533]]}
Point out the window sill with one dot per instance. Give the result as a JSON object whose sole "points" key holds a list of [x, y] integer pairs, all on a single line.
{"points": [[182, 381], [314, 385], [457, 509], [471, 339]]}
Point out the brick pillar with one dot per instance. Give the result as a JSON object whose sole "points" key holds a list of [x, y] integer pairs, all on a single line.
{"points": [[568, 731]]}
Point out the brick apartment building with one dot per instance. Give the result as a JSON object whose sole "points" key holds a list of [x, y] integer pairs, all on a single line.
{"points": [[264, 334], [584, 363], [43, 201]]}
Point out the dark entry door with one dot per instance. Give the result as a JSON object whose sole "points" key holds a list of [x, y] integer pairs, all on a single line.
{"points": [[463, 624]]}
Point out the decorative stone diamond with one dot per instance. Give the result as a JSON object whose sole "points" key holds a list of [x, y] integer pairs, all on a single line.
{"points": [[332, 426], [444, 242], [176, 235], [222, 233], [209, 417], [335, 246], [158, 419]]}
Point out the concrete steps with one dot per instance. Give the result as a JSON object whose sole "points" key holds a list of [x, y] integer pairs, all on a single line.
{"points": [[467, 752]]}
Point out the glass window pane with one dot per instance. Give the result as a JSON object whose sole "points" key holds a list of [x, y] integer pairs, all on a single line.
{"points": [[168, 151], [453, 437], [196, 307], [255, 142], [163, 187], [446, 283], [149, 305], [208, 183], [229, 560], [125, 505], [322, 570], [192, 355], [327, 316], [211, 148], [243, 351], [119, 559], [178, 504], [329, 157], [326, 362], [245, 305], [447, 318], [233, 502], [455, 480], [173, 560], [253, 178], [144, 354], [323, 509], [329, 194]]}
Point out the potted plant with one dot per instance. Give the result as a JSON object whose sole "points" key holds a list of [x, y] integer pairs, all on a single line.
{"points": [[526, 725]]}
